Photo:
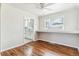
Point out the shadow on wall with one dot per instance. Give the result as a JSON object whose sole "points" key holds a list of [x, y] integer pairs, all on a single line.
{"points": [[61, 38]]}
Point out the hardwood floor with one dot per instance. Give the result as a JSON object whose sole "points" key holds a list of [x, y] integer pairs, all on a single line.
{"points": [[41, 48]]}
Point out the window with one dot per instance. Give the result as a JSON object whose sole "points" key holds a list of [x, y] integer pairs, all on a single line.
{"points": [[55, 23], [28, 28]]}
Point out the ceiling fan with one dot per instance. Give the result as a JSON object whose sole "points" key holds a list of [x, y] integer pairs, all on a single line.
{"points": [[45, 5]]}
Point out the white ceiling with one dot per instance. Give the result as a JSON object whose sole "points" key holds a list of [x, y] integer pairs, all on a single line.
{"points": [[33, 7]]}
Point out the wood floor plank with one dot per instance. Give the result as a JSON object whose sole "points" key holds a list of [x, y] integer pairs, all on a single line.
{"points": [[41, 48]]}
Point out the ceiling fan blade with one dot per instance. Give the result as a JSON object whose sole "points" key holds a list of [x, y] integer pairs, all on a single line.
{"points": [[48, 9]]}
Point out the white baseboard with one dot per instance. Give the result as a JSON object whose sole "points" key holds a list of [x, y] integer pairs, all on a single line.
{"points": [[16, 45], [61, 43], [25, 43]]}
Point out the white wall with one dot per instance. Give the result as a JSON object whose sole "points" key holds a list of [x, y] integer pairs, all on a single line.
{"points": [[70, 24], [69, 19], [61, 38], [0, 26], [78, 18], [12, 26]]}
